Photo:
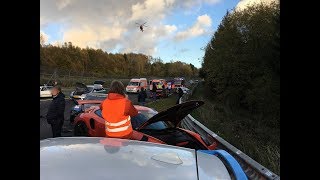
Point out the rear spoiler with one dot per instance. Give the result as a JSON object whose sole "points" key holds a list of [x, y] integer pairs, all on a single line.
{"points": [[231, 162]]}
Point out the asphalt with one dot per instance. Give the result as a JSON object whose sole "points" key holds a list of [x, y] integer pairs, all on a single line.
{"points": [[67, 130]]}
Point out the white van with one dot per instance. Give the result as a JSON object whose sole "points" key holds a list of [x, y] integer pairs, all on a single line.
{"points": [[136, 84]]}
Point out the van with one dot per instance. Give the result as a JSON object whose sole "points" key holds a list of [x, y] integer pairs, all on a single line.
{"points": [[136, 84], [160, 83]]}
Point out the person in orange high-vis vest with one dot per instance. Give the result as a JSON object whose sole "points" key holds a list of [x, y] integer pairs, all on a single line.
{"points": [[117, 111]]}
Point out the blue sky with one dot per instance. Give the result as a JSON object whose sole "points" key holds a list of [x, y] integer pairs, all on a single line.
{"points": [[177, 29]]}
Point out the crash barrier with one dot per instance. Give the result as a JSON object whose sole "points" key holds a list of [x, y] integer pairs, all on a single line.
{"points": [[253, 169]]}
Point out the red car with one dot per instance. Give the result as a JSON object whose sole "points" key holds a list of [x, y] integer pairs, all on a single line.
{"points": [[149, 125]]}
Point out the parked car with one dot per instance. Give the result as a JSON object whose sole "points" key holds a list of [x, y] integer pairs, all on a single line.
{"points": [[149, 125], [135, 85], [185, 90], [179, 82], [91, 99], [99, 158], [45, 91], [82, 90]]}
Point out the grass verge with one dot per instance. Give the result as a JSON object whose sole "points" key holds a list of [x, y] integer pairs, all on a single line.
{"points": [[258, 141], [163, 104]]}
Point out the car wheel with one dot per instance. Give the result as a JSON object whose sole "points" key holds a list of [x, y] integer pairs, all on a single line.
{"points": [[80, 129]]}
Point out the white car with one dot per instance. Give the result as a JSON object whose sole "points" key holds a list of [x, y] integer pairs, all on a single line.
{"points": [[184, 89], [98, 158], [45, 91]]}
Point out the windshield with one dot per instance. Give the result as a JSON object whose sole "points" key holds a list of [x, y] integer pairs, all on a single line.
{"points": [[133, 84], [90, 88], [144, 116], [141, 118]]}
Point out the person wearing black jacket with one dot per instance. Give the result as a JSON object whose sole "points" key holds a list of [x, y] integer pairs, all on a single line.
{"points": [[180, 94], [154, 91], [55, 114], [142, 97]]}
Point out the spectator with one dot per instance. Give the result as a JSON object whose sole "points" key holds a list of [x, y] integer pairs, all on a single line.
{"points": [[55, 115], [142, 97], [117, 111], [180, 94], [154, 91]]}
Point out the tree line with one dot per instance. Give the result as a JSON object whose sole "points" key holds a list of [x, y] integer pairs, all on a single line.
{"points": [[241, 65], [98, 63]]}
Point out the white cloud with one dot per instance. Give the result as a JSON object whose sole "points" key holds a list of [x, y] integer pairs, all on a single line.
{"points": [[212, 1], [245, 3], [91, 36], [45, 37], [63, 3], [111, 24], [200, 27], [150, 8]]}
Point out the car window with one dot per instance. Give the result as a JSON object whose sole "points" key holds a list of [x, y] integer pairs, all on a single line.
{"points": [[133, 84], [98, 113], [90, 89], [144, 116]]}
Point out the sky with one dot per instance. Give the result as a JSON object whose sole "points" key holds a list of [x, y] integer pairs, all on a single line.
{"points": [[176, 29]]}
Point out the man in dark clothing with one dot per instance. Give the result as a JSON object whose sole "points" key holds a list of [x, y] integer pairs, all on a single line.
{"points": [[55, 115], [142, 97], [180, 94], [154, 91]]}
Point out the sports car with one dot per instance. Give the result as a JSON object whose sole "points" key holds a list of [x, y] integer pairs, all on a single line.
{"points": [[149, 125], [97, 158], [90, 100]]}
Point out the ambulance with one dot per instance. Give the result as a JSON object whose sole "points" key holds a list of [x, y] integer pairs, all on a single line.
{"points": [[135, 85]]}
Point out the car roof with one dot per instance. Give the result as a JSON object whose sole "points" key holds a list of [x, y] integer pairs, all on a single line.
{"points": [[95, 158]]}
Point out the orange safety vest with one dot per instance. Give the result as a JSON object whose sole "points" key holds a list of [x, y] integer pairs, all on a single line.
{"points": [[117, 122]]}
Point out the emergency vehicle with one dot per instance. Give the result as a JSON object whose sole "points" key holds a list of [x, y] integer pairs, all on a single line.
{"points": [[136, 84]]}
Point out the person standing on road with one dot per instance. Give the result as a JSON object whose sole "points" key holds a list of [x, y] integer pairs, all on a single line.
{"points": [[169, 87], [117, 111], [154, 91], [142, 97], [55, 114], [180, 94]]}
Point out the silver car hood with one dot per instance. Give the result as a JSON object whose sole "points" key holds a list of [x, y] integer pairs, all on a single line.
{"points": [[83, 158]]}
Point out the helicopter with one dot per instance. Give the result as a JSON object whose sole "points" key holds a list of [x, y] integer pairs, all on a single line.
{"points": [[141, 26]]}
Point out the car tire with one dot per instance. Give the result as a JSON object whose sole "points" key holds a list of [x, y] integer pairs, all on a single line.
{"points": [[80, 129]]}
